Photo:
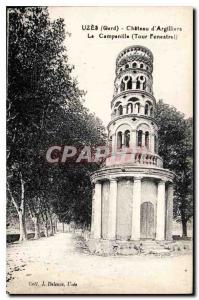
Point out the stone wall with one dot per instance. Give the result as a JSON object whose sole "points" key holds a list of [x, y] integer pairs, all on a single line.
{"points": [[124, 209], [105, 208]]}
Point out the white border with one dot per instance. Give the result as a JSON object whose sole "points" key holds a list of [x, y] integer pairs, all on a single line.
{"points": [[3, 5]]}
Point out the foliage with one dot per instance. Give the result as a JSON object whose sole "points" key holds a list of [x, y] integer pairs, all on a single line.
{"points": [[175, 147], [44, 108]]}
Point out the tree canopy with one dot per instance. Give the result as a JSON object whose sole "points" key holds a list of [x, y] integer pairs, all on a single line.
{"points": [[44, 108], [176, 149]]}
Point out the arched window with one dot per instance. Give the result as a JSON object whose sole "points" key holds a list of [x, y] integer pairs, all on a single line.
{"points": [[117, 103], [146, 110], [115, 111], [127, 138], [120, 69], [127, 66], [151, 111], [129, 84], [137, 84], [122, 86], [130, 108], [139, 140], [138, 107], [141, 66], [133, 99], [120, 110], [144, 85], [134, 65], [119, 140], [147, 139]]}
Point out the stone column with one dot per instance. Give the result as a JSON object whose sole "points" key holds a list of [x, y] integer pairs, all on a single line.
{"points": [[122, 139], [92, 215], [135, 229], [142, 109], [112, 209], [152, 142], [133, 85], [97, 211], [169, 221], [160, 225], [125, 109], [114, 146], [133, 140], [143, 140]]}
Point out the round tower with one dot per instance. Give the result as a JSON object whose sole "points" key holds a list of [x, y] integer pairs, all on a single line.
{"points": [[132, 124], [133, 193]]}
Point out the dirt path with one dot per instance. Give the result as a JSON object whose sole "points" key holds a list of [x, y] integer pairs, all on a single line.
{"points": [[53, 265]]}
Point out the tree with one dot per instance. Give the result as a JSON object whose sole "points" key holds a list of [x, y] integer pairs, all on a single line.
{"points": [[175, 147], [44, 108], [36, 65], [17, 197]]}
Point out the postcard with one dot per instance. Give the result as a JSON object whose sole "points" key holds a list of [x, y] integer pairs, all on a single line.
{"points": [[100, 150]]}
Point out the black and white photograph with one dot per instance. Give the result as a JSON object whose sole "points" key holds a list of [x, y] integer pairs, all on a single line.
{"points": [[99, 150]]}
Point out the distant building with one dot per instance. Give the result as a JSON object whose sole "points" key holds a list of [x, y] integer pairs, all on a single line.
{"points": [[133, 194]]}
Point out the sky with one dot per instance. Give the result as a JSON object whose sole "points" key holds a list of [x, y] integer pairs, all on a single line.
{"points": [[94, 58]]}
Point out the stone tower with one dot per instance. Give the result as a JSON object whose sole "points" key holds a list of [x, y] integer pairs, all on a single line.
{"points": [[133, 194]]}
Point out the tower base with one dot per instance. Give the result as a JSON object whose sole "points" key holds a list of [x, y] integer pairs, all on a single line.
{"points": [[132, 203], [148, 247]]}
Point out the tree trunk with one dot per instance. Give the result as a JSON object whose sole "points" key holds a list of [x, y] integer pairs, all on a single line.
{"points": [[184, 223], [51, 225], [22, 220], [20, 210], [46, 229], [56, 225], [36, 227], [184, 228], [22, 227]]}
